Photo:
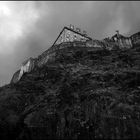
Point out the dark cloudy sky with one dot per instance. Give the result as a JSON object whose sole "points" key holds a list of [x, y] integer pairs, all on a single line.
{"points": [[27, 28]]}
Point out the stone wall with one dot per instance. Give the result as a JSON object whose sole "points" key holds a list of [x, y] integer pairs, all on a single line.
{"points": [[27, 66], [49, 55], [15, 77], [119, 40], [125, 42], [45, 58], [95, 44], [136, 38]]}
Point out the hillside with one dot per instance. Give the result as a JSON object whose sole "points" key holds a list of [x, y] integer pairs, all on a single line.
{"points": [[82, 94]]}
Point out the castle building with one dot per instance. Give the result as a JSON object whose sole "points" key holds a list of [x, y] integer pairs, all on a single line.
{"points": [[122, 41], [64, 40], [71, 34], [74, 37], [135, 38]]}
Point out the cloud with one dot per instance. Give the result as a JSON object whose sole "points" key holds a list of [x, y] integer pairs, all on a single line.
{"points": [[17, 20], [29, 28]]}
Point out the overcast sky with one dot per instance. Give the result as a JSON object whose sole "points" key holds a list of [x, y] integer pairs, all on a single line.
{"points": [[27, 28]]}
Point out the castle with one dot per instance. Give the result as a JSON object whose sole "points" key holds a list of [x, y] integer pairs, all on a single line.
{"points": [[74, 37]]}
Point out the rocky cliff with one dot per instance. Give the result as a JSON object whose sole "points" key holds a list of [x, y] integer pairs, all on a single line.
{"points": [[71, 38], [50, 54], [81, 94]]}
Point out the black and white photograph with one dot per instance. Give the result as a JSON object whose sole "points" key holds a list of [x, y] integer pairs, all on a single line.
{"points": [[69, 70]]}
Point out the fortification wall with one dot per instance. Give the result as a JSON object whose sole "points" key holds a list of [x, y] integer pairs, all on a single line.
{"points": [[94, 44], [45, 58], [27, 67], [121, 42], [50, 54], [71, 39], [135, 38], [125, 43], [15, 77]]}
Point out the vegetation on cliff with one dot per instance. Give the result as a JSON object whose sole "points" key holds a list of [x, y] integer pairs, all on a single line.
{"points": [[81, 95]]}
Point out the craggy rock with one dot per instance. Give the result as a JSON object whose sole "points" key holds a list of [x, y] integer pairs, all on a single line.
{"points": [[82, 94]]}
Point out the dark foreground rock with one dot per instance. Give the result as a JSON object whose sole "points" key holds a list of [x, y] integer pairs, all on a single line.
{"points": [[81, 95]]}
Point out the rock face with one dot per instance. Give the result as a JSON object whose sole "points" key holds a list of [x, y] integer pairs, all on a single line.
{"points": [[83, 93], [43, 59], [75, 90]]}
